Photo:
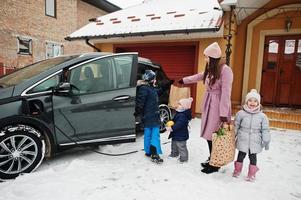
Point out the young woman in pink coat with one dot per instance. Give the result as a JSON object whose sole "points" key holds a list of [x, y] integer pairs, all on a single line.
{"points": [[216, 105]]}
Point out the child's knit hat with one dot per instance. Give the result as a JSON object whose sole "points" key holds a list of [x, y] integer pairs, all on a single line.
{"points": [[186, 103], [149, 75], [253, 94], [213, 50]]}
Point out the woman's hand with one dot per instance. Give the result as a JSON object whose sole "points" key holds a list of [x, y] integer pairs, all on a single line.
{"points": [[180, 81], [224, 119]]}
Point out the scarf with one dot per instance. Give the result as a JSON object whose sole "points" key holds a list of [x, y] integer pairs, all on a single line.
{"points": [[257, 109]]}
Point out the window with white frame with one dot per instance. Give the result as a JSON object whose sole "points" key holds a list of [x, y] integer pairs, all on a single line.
{"points": [[24, 46], [50, 8], [54, 49]]}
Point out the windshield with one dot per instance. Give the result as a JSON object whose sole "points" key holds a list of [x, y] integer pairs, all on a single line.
{"points": [[29, 71]]}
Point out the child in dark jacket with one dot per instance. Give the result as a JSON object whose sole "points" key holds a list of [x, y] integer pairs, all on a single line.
{"points": [[147, 109], [179, 131]]}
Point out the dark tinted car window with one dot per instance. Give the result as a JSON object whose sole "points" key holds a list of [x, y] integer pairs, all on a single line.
{"points": [[160, 76], [30, 71]]}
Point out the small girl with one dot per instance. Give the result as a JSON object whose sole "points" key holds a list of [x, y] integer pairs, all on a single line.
{"points": [[179, 131], [252, 134]]}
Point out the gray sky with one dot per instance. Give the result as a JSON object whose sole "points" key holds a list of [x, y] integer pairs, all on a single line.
{"points": [[125, 3]]}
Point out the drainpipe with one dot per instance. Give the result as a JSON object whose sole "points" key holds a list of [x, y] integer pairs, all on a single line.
{"points": [[91, 45], [229, 37]]}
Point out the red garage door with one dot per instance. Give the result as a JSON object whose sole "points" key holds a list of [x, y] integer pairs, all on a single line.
{"points": [[1, 71], [177, 60]]}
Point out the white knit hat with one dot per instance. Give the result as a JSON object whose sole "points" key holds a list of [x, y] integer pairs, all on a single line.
{"points": [[213, 50], [253, 94], [186, 103]]}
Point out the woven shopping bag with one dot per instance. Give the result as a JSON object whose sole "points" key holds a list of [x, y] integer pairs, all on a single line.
{"points": [[223, 146], [177, 93]]}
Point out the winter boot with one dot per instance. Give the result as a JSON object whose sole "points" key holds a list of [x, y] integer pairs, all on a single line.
{"points": [[154, 156], [181, 161], [237, 169], [210, 169], [156, 159], [152, 150], [206, 163], [251, 174]]}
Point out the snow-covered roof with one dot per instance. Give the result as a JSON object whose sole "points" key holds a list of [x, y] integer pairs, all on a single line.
{"points": [[155, 17], [243, 8]]}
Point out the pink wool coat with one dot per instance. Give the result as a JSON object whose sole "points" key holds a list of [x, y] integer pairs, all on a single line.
{"points": [[216, 101]]}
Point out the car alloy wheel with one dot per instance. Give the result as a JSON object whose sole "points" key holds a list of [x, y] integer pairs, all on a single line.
{"points": [[21, 151], [165, 116]]}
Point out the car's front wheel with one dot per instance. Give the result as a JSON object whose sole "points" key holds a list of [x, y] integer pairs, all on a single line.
{"points": [[21, 151], [165, 116]]}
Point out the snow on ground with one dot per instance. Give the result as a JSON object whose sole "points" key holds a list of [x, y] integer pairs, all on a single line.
{"points": [[83, 175]]}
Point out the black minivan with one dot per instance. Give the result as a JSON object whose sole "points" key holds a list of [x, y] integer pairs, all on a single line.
{"points": [[86, 99]]}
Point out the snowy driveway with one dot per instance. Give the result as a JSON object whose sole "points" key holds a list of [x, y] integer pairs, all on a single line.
{"points": [[83, 175]]}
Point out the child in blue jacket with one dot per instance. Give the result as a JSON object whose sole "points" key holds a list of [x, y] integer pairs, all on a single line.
{"points": [[179, 131], [147, 111]]}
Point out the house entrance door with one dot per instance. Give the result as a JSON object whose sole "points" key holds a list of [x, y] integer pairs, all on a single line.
{"points": [[281, 72]]}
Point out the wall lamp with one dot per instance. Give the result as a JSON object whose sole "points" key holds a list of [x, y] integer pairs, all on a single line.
{"points": [[288, 24]]}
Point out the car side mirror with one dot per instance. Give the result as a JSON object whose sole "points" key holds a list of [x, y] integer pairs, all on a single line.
{"points": [[63, 88]]}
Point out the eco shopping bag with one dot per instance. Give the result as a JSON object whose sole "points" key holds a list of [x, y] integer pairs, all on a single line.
{"points": [[223, 146], [177, 93]]}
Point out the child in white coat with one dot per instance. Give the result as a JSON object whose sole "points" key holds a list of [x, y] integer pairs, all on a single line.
{"points": [[252, 134]]}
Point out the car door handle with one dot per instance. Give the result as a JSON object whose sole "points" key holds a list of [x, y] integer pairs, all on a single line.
{"points": [[122, 98]]}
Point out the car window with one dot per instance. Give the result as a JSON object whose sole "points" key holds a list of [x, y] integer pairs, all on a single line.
{"points": [[141, 71], [160, 76], [46, 85], [102, 75], [123, 68], [30, 71]]}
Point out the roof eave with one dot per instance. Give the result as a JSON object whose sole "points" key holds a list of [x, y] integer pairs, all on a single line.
{"points": [[164, 32], [104, 5]]}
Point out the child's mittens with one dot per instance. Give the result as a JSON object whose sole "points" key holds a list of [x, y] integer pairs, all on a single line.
{"points": [[138, 119], [266, 145]]}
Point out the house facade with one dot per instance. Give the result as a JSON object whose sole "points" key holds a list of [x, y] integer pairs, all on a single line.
{"points": [[169, 32], [265, 41], [35, 30], [261, 39], [268, 54]]}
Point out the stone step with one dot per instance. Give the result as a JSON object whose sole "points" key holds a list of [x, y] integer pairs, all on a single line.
{"points": [[285, 118], [285, 124]]}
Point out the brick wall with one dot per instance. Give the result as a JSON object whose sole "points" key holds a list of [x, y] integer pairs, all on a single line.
{"points": [[85, 12], [26, 18]]}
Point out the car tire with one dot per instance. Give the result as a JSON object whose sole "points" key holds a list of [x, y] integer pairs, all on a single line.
{"points": [[165, 116], [21, 151]]}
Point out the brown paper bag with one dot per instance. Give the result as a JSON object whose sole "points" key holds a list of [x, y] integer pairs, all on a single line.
{"points": [[223, 146], [177, 93]]}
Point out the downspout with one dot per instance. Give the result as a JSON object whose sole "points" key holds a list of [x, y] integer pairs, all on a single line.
{"points": [[91, 45], [228, 37]]}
